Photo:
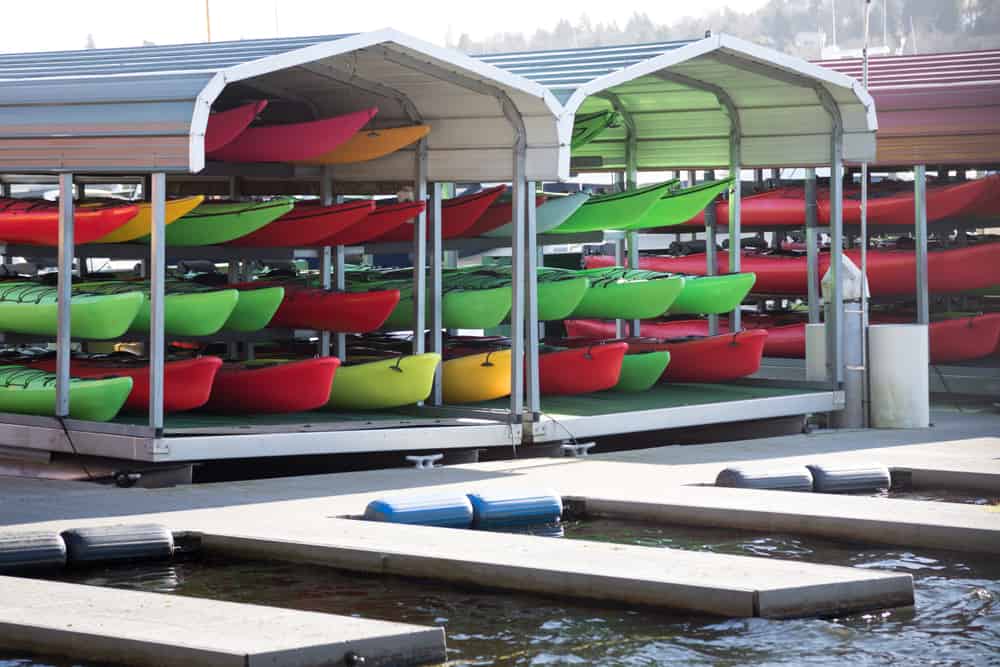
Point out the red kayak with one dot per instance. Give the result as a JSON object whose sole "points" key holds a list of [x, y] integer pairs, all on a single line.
{"points": [[497, 215], [260, 387], [580, 370], [36, 221], [786, 206], [292, 142], [784, 339], [307, 224], [330, 310], [457, 215], [224, 126], [890, 272], [186, 382], [383, 219]]}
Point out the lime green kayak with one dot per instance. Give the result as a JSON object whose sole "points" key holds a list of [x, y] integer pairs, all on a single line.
{"points": [[559, 292], [627, 294], [185, 313], [712, 294], [383, 384], [587, 127], [30, 308], [641, 371], [218, 222], [679, 206], [616, 211], [29, 391], [254, 309]]}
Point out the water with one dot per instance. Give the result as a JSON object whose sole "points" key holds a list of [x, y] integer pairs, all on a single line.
{"points": [[942, 496], [956, 620]]}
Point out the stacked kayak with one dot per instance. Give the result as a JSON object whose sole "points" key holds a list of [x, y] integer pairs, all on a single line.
{"points": [[700, 294], [580, 370], [218, 222], [476, 377], [36, 221], [307, 224], [678, 206], [224, 126], [32, 391], [188, 311], [641, 368], [384, 383], [31, 308], [256, 305], [267, 387], [499, 214], [694, 357], [555, 210], [372, 144], [383, 219], [330, 310], [186, 382], [890, 272], [559, 292], [458, 215], [614, 211], [141, 224], [617, 293], [587, 127]]}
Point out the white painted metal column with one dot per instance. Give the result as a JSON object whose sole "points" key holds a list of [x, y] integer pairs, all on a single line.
{"points": [[532, 391], [620, 261], [64, 292], [711, 251], [326, 255], [420, 250], [735, 248], [835, 324], [920, 224], [435, 288], [517, 319], [157, 294], [812, 246]]}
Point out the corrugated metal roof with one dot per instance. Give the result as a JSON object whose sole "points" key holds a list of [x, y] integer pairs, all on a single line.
{"points": [[940, 108], [146, 108], [680, 125]]}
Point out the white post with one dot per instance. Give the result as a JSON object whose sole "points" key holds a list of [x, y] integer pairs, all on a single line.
{"points": [[711, 252], [735, 247], [326, 258], [531, 302], [920, 222], [420, 250], [157, 294], [517, 319], [835, 324], [435, 291], [64, 293], [812, 246]]}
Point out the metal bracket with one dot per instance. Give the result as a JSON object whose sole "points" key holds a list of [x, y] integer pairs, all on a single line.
{"points": [[577, 449], [424, 462]]}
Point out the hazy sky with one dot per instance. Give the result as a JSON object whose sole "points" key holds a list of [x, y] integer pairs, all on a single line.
{"points": [[64, 24]]}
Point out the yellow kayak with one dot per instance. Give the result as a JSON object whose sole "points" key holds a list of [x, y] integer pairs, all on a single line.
{"points": [[370, 144], [382, 384], [476, 378], [141, 224]]}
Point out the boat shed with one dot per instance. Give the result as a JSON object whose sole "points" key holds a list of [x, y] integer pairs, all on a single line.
{"points": [[142, 113]]}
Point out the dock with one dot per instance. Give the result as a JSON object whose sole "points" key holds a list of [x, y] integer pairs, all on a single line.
{"points": [[136, 628]]}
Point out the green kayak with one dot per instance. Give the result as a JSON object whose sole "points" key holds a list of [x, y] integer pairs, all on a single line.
{"points": [[616, 211], [559, 292], [30, 391], [254, 309], [641, 371], [679, 206], [185, 313], [587, 127], [555, 211], [30, 308], [627, 294], [218, 222], [712, 294]]}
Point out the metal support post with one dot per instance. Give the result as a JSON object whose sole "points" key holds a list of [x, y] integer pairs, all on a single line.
{"points": [[64, 289], [157, 293], [420, 250], [735, 247], [326, 257], [920, 222], [532, 384], [435, 288], [711, 252], [4, 189], [619, 261], [812, 246], [517, 319], [835, 325]]}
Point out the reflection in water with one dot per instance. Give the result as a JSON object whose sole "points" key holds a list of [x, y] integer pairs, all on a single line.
{"points": [[956, 620]]}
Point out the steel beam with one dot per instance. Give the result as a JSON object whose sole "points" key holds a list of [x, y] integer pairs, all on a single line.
{"points": [[420, 249], [378, 89], [920, 224], [735, 228], [619, 261], [157, 294], [533, 399], [835, 324], [326, 259], [64, 293], [518, 281], [711, 252], [436, 287], [812, 246]]}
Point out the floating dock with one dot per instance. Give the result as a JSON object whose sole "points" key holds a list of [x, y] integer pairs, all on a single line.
{"points": [[136, 628]]}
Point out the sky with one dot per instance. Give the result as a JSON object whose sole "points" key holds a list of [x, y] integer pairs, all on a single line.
{"points": [[49, 25]]}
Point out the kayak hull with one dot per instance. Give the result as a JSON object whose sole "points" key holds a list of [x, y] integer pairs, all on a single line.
{"points": [[580, 370], [477, 377], [460, 309], [372, 144], [630, 299], [37, 222], [140, 225], [32, 391], [224, 126], [458, 215], [255, 309], [380, 221], [614, 211], [294, 386], [219, 222], [555, 211], [679, 206], [307, 224], [642, 370], [191, 314], [383, 384], [329, 310], [92, 316]]}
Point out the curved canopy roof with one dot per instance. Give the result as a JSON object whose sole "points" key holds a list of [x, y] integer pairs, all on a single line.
{"points": [[672, 91], [146, 108]]}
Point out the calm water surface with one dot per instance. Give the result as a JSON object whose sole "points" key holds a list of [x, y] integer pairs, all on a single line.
{"points": [[956, 620]]}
